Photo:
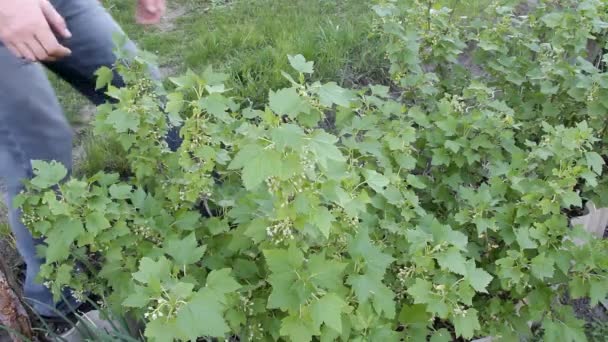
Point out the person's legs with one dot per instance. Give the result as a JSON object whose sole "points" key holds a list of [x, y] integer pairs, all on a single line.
{"points": [[32, 126], [92, 47]]}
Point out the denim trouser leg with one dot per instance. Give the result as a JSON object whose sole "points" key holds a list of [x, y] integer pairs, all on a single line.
{"points": [[32, 124]]}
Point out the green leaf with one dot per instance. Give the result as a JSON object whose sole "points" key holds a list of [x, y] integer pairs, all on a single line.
{"points": [[104, 77], [384, 301], [415, 181], [376, 181], [328, 334], [384, 333], [323, 219], [221, 282], [571, 198], [441, 335], [120, 191], [578, 287], [64, 274], [284, 261], [562, 331], [288, 135], [217, 226], [449, 125], [152, 271], [452, 260], [212, 77], [59, 240], [552, 19], [187, 220], [380, 90], [419, 116], [452, 146], [414, 314], [323, 145], [523, 238], [96, 222], [298, 329], [175, 103], [283, 295], [137, 299], [161, 330], [456, 238], [123, 121], [47, 174], [299, 63], [185, 81], [421, 291], [181, 290], [284, 264], [138, 198], [438, 306], [376, 262], [595, 162], [598, 290], [105, 179], [364, 286], [258, 164], [369, 286], [216, 105], [542, 266], [287, 102], [328, 310], [216, 89], [551, 331], [466, 324], [56, 206], [185, 251], [245, 155], [331, 93], [440, 157], [418, 238], [256, 230], [204, 307], [478, 278], [326, 273]]}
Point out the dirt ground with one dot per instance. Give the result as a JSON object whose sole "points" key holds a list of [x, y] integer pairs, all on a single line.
{"points": [[8, 254]]}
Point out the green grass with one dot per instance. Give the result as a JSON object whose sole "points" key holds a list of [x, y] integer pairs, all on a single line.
{"points": [[597, 331], [101, 154], [7, 235], [5, 230], [469, 8], [250, 40]]}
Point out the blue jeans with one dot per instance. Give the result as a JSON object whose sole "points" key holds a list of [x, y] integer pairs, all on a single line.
{"points": [[33, 126]]}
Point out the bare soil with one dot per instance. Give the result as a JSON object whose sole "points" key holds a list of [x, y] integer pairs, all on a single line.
{"points": [[174, 11]]}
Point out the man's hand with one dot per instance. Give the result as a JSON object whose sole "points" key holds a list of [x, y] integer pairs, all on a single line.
{"points": [[27, 27], [149, 11]]}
